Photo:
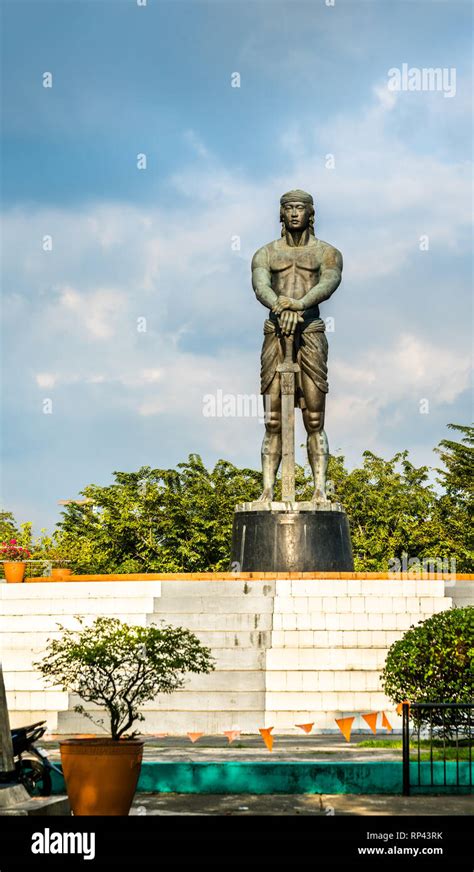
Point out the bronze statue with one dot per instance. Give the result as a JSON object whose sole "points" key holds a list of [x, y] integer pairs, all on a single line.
{"points": [[292, 276]]}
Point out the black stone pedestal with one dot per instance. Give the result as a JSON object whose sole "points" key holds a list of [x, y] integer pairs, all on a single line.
{"points": [[291, 541]]}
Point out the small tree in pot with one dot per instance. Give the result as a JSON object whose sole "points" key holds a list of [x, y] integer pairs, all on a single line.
{"points": [[117, 667]]}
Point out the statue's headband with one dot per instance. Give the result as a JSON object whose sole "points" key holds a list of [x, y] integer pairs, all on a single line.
{"points": [[296, 196]]}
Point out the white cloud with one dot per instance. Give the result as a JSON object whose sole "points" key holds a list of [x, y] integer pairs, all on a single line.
{"points": [[387, 98], [409, 369], [152, 375], [45, 379], [114, 263], [196, 143], [97, 312]]}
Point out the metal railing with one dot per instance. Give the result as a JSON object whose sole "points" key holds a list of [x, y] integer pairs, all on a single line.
{"points": [[441, 730], [46, 564]]}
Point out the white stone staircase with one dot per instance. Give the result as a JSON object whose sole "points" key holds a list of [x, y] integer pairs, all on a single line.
{"points": [[287, 651]]}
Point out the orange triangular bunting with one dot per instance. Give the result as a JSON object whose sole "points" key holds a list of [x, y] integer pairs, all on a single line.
{"points": [[399, 708], [386, 723], [267, 738], [306, 727], [231, 735], [345, 726], [371, 720], [194, 736]]}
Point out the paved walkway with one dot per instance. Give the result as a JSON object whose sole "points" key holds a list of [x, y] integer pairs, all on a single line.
{"points": [[300, 804], [286, 748]]}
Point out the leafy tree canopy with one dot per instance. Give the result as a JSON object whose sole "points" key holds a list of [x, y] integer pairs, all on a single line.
{"points": [[172, 520]]}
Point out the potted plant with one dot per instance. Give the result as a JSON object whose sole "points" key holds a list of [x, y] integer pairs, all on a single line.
{"points": [[117, 667], [14, 557], [59, 571], [56, 563]]}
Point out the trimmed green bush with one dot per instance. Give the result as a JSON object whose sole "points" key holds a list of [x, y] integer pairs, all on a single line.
{"points": [[434, 662]]}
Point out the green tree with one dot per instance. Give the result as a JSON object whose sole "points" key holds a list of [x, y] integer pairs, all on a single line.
{"points": [[8, 527], [163, 520], [455, 505], [457, 477], [392, 511], [180, 520]]}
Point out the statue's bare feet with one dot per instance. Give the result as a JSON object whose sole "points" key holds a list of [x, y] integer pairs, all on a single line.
{"points": [[266, 496], [319, 496]]}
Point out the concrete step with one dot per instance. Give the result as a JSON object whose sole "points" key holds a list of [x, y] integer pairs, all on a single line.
{"points": [[24, 717], [339, 621], [86, 606], [217, 589], [222, 605], [190, 700], [220, 701], [24, 680], [32, 624], [26, 642], [16, 659], [344, 701], [326, 681], [359, 604], [174, 722], [237, 621], [37, 700], [335, 638], [332, 638], [220, 680], [310, 621], [232, 680], [287, 659], [22, 652], [360, 587], [80, 590], [216, 639]]}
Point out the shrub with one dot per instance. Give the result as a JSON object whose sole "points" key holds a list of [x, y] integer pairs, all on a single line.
{"points": [[119, 667], [434, 662]]}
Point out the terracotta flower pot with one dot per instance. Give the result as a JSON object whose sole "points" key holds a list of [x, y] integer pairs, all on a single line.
{"points": [[101, 774], [58, 574], [14, 571]]}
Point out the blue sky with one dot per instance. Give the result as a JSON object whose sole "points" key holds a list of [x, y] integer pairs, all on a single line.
{"points": [[156, 243]]}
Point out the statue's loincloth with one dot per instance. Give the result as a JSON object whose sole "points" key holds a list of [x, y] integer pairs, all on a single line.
{"points": [[311, 348]]}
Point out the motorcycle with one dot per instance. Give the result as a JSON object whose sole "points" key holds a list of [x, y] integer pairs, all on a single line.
{"points": [[32, 765]]}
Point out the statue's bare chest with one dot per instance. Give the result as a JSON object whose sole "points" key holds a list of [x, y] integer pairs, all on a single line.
{"points": [[294, 259]]}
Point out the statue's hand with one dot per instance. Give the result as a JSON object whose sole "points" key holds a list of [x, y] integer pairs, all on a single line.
{"points": [[288, 321], [286, 303]]}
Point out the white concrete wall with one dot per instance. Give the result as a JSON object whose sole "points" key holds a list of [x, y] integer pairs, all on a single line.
{"points": [[287, 652]]}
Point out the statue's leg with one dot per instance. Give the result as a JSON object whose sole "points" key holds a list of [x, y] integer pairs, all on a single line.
{"points": [[271, 445], [313, 357], [317, 442]]}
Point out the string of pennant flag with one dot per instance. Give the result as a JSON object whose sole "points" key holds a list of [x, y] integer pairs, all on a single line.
{"points": [[345, 725]]}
